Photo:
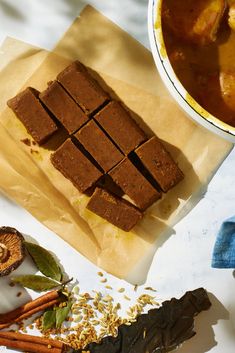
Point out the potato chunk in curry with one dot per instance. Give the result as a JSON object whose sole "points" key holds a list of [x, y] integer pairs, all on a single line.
{"points": [[231, 16], [227, 84], [194, 21]]}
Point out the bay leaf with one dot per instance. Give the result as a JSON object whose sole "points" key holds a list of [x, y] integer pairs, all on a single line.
{"points": [[44, 261], [35, 282], [49, 319], [62, 314]]}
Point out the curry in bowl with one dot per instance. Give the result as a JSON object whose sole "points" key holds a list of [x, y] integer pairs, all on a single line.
{"points": [[200, 41]]}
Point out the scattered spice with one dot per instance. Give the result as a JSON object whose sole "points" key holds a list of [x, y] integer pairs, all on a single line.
{"points": [[94, 317], [126, 297], [26, 141], [103, 280], [150, 289], [100, 274], [121, 290], [19, 294], [33, 151], [145, 299]]}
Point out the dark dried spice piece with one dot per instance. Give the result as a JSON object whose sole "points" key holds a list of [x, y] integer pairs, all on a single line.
{"points": [[160, 330]]}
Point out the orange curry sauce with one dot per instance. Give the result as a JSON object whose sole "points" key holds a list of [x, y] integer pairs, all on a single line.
{"points": [[200, 43]]}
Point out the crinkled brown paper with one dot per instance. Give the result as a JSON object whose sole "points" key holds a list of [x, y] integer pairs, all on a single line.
{"points": [[28, 177]]}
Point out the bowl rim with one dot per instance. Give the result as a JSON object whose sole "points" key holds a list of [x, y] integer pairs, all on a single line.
{"points": [[177, 90]]}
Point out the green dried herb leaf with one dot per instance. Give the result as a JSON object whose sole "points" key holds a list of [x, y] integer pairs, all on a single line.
{"points": [[62, 314], [37, 283], [49, 319], [44, 261]]}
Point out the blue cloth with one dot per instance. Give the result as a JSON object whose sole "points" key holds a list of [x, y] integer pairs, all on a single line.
{"points": [[224, 250]]}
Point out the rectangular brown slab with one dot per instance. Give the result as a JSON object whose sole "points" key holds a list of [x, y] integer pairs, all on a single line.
{"points": [[64, 108], [115, 210], [100, 147], [134, 184], [75, 166], [32, 114], [84, 89], [159, 163], [120, 126]]}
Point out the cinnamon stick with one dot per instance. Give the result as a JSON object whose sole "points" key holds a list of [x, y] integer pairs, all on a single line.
{"points": [[29, 346], [11, 335], [44, 302]]}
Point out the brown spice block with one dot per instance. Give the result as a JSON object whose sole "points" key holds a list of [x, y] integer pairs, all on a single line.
{"points": [[159, 163], [134, 184], [60, 103], [75, 166], [101, 148], [84, 89], [120, 126], [31, 113], [115, 210], [107, 183]]}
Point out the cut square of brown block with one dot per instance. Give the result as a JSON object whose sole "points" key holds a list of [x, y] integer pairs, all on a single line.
{"points": [[64, 108], [113, 209], [134, 184], [120, 126], [100, 147], [84, 89], [75, 166], [107, 183], [159, 164], [32, 114]]}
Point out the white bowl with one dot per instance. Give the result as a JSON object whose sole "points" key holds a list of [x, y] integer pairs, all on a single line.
{"points": [[187, 103]]}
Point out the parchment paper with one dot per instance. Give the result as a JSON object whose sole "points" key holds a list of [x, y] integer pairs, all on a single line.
{"points": [[31, 180]]}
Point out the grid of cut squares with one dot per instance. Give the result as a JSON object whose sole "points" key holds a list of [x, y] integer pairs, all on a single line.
{"points": [[102, 140]]}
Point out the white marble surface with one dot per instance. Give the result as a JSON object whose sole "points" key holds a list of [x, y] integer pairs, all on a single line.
{"points": [[183, 261]]}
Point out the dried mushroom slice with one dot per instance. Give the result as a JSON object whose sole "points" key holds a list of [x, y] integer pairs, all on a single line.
{"points": [[12, 250]]}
